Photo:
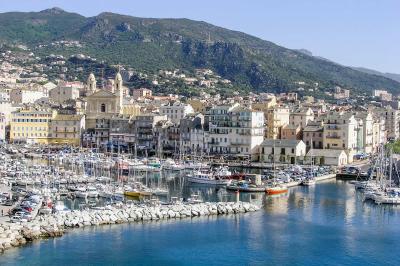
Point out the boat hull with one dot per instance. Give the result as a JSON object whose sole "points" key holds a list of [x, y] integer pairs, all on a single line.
{"points": [[276, 191], [208, 182]]}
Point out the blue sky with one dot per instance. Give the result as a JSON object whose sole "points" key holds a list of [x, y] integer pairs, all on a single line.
{"points": [[351, 32]]}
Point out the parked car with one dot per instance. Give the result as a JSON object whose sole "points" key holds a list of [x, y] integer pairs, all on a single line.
{"points": [[29, 209], [17, 219], [8, 203]]}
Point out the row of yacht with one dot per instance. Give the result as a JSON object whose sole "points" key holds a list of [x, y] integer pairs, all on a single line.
{"points": [[382, 185]]}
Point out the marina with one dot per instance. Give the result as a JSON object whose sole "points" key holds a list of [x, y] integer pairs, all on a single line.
{"points": [[324, 224], [47, 192], [52, 193]]}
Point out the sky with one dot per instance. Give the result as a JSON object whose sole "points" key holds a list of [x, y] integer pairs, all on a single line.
{"points": [[362, 33]]}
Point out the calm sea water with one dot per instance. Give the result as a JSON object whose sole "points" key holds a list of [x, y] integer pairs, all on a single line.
{"points": [[323, 225]]}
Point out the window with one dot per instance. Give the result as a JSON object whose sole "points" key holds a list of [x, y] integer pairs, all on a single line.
{"points": [[103, 108]]}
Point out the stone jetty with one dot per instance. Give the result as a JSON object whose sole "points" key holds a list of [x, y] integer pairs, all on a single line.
{"points": [[54, 225]]}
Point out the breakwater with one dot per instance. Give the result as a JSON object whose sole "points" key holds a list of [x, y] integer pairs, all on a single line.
{"points": [[55, 225]]}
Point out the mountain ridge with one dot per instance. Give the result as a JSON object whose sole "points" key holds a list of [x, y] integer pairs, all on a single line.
{"points": [[152, 44], [393, 76]]}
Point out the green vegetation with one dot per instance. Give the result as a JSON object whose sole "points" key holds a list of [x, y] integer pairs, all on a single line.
{"points": [[152, 44], [395, 146]]}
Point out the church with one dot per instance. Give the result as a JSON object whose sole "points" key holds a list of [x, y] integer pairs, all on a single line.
{"points": [[104, 103]]}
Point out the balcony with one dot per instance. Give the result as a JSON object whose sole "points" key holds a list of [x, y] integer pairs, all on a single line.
{"points": [[332, 127], [235, 143], [332, 137], [65, 131], [145, 137]]}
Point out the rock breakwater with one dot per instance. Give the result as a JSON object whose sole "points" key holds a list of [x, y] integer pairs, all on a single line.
{"points": [[55, 225]]}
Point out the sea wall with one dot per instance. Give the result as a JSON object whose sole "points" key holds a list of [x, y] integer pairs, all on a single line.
{"points": [[55, 225]]}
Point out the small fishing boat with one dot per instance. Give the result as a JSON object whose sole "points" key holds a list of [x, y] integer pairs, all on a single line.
{"points": [[278, 189]]}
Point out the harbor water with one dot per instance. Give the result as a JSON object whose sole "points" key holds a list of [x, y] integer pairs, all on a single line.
{"points": [[327, 224]]}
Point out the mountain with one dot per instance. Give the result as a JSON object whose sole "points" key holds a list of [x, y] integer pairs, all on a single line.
{"points": [[151, 44], [393, 76]]}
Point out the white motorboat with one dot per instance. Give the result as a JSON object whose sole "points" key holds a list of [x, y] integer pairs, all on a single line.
{"points": [[308, 182], [196, 166], [92, 192], [105, 194], [172, 165], [81, 192], [160, 192], [207, 178]]}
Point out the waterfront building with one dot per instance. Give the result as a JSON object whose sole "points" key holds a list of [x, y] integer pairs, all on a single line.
{"points": [[164, 145], [66, 129], [282, 150], [122, 131], [235, 130], [326, 157], [101, 131], [192, 135], [340, 132], [30, 125], [146, 139]]}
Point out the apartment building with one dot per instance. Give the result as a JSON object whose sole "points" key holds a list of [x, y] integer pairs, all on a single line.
{"points": [[176, 111], [30, 125], [301, 117], [66, 129], [277, 117], [146, 139], [192, 135], [65, 91], [392, 121], [365, 132], [235, 130], [341, 132], [25, 96]]}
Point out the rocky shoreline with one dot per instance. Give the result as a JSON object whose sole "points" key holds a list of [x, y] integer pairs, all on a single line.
{"points": [[55, 225]]}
